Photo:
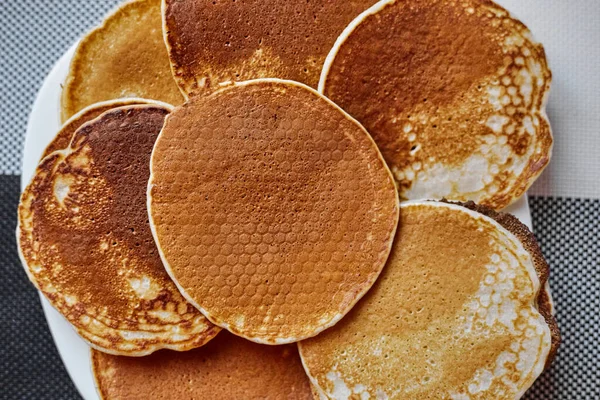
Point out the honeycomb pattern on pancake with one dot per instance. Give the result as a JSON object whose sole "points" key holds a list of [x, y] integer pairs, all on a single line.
{"points": [[85, 241], [454, 315], [273, 209], [457, 108]]}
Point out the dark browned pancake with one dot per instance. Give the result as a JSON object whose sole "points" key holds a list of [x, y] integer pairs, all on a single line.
{"points": [[452, 91], [85, 242], [124, 57], [458, 313], [226, 368], [63, 137], [272, 208], [214, 42]]}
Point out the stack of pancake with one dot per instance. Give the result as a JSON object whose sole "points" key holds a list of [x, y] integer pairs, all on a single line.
{"points": [[265, 200]]}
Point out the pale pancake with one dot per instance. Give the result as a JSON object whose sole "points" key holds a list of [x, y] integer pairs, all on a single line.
{"points": [[124, 57], [85, 242], [63, 138], [542, 269], [454, 315], [226, 368], [453, 92], [273, 210], [214, 42]]}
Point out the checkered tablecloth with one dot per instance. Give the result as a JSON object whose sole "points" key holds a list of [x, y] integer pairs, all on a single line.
{"points": [[565, 202]]}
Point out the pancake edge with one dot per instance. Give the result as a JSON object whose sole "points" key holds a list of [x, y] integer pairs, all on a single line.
{"points": [[337, 317], [77, 56], [93, 364], [374, 9], [94, 367], [165, 34], [526, 237]]}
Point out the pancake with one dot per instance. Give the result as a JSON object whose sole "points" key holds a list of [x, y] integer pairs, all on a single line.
{"points": [[85, 242], [456, 314], [542, 269], [64, 135], [226, 368], [271, 207], [454, 94], [212, 43], [124, 57], [316, 392]]}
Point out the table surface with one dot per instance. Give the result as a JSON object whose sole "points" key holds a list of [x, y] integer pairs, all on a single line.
{"points": [[565, 201]]}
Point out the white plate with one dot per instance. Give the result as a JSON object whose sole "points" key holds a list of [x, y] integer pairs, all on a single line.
{"points": [[44, 122]]}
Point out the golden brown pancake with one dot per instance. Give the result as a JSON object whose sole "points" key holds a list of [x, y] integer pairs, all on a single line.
{"points": [[215, 42], [124, 57], [85, 241], [453, 92], [272, 209], [456, 314], [226, 368], [63, 137]]}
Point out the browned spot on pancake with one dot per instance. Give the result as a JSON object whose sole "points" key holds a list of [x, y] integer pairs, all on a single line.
{"points": [[63, 137], [124, 57], [437, 82], [226, 368], [85, 238], [416, 334], [273, 209], [212, 42]]}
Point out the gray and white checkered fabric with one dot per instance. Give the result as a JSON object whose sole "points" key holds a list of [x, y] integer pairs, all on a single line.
{"points": [[35, 33]]}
